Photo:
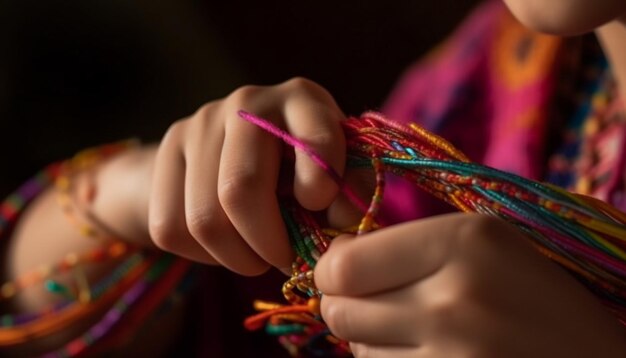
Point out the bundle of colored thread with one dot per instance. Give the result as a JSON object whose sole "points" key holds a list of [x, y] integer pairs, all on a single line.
{"points": [[583, 234]]}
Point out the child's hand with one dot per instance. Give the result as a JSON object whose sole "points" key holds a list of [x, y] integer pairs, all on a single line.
{"points": [[458, 285], [215, 177]]}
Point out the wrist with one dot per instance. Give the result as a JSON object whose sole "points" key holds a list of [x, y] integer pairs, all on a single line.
{"points": [[122, 189]]}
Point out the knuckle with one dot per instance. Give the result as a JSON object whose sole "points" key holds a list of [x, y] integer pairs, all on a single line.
{"points": [[204, 110], [163, 234], [479, 230], [337, 319], [443, 310], [322, 139], [174, 131], [202, 116], [236, 190], [445, 307], [451, 310], [244, 93], [200, 223], [342, 265], [300, 82]]}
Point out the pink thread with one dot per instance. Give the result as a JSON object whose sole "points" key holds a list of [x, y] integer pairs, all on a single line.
{"points": [[298, 144]]}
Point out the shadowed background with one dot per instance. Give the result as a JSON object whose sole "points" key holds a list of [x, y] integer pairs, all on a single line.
{"points": [[81, 73], [77, 73]]}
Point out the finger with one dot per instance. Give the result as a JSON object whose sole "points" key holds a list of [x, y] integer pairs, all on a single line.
{"points": [[342, 213], [387, 258], [248, 176], [206, 220], [166, 220], [315, 121], [361, 350], [383, 319]]}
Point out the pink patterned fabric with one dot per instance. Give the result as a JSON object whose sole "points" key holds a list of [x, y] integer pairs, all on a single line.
{"points": [[492, 91]]}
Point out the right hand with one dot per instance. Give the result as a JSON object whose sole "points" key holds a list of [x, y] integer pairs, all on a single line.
{"points": [[458, 285]]}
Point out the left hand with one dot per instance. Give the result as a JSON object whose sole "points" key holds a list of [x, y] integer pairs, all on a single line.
{"points": [[458, 285]]}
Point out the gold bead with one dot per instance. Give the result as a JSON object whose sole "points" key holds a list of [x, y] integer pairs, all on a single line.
{"points": [[86, 230], [63, 182], [45, 270], [314, 305], [8, 290], [71, 259]]}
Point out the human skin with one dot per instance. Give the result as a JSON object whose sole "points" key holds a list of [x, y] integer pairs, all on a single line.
{"points": [[467, 286], [222, 172], [458, 285], [607, 18], [435, 290], [206, 188], [428, 280], [566, 17], [201, 193]]}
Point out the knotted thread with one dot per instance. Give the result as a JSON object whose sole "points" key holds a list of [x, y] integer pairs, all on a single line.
{"points": [[583, 234]]}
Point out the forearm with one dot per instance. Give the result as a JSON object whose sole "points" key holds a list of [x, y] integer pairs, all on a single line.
{"points": [[44, 240], [44, 236]]}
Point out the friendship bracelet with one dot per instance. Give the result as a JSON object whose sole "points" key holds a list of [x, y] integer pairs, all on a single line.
{"points": [[71, 312], [76, 209], [135, 304], [63, 172], [139, 285], [113, 250], [583, 234], [75, 204]]}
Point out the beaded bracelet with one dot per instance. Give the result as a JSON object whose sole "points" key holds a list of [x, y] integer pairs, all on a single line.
{"points": [[72, 260], [82, 162], [133, 290], [75, 205]]}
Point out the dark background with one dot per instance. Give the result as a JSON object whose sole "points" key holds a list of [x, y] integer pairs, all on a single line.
{"points": [[80, 73]]}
